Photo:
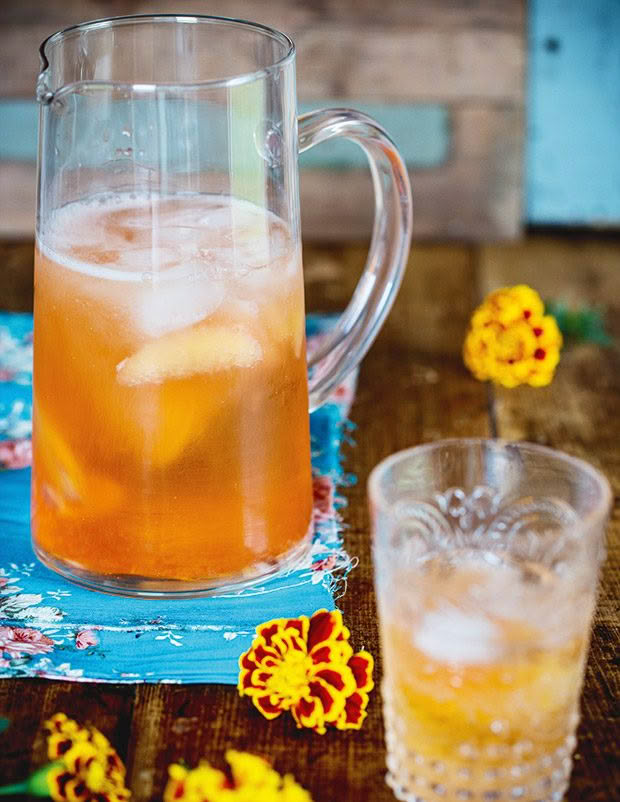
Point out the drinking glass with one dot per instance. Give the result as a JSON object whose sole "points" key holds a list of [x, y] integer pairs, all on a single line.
{"points": [[486, 563], [171, 433]]}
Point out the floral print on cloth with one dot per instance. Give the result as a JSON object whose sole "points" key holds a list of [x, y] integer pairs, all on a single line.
{"points": [[52, 628]]}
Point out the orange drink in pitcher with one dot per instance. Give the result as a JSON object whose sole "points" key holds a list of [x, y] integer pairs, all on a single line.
{"points": [[171, 444]]}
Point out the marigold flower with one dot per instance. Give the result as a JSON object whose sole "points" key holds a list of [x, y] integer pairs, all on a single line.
{"points": [[250, 779], [307, 666], [511, 341], [84, 768]]}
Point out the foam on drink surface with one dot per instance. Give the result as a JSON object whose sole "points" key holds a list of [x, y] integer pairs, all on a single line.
{"points": [[137, 237], [181, 258]]}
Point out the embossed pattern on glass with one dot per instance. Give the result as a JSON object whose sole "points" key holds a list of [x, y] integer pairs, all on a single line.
{"points": [[486, 563]]}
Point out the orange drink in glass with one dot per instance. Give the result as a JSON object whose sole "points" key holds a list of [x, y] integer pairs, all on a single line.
{"points": [[486, 562]]}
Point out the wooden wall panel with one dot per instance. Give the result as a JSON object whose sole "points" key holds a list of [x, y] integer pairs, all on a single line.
{"points": [[475, 194], [470, 196], [421, 64], [464, 57], [503, 14]]}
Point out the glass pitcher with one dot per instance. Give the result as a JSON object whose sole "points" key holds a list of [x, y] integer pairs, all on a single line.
{"points": [[171, 448]]}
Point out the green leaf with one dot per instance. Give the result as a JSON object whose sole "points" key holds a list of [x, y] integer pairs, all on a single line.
{"points": [[585, 324]]}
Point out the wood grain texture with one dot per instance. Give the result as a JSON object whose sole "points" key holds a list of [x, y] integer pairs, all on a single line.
{"points": [[16, 268], [413, 388], [397, 48], [405, 64], [27, 703], [503, 14], [467, 55], [432, 309], [578, 270], [577, 413], [475, 194]]}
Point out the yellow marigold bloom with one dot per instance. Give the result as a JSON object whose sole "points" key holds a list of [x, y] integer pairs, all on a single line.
{"points": [[250, 779], [87, 766], [511, 341], [307, 666]]}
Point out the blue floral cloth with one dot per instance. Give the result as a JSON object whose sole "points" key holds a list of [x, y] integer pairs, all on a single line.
{"points": [[52, 628]]}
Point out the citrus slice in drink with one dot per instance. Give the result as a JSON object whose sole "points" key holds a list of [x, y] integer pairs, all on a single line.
{"points": [[73, 491], [201, 349]]}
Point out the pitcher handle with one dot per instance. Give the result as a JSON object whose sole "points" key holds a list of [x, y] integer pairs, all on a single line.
{"points": [[359, 324]]}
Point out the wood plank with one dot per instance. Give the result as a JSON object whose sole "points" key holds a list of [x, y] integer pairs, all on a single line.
{"points": [[420, 131], [475, 195], [336, 58], [17, 260], [572, 160], [433, 306], [27, 703], [19, 58], [292, 13], [577, 413], [468, 55], [405, 64], [18, 189], [506, 14]]}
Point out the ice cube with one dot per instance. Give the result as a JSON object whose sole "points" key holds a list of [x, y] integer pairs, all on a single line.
{"points": [[169, 305], [147, 259], [202, 349], [450, 635]]}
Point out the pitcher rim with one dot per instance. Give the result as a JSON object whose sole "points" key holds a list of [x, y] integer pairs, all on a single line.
{"points": [[233, 80]]}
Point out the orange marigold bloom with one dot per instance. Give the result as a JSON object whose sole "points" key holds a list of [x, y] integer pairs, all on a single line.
{"points": [[306, 665], [511, 341]]}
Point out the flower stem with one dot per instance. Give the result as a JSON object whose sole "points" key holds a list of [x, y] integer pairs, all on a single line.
{"points": [[36, 785], [16, 789]]}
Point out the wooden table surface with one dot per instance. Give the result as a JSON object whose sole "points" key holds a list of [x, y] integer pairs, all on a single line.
{"points": [[413, 388]]}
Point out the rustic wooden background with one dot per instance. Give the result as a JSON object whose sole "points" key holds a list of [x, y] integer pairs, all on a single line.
{"points": [[462, 59], [413, 388], [465, 61]]}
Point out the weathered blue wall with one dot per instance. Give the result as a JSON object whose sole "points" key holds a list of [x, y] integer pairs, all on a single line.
{"points": [[572, 158]]}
